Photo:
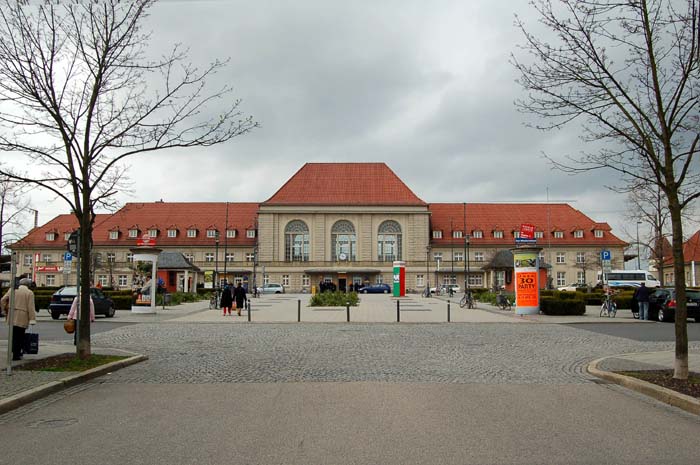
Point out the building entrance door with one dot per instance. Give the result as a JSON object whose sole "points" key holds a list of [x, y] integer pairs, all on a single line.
{"points": [[342, 284]]}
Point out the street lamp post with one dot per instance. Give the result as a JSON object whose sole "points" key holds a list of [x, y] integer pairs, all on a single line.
{"points": [[639, 266], [216, 259], [466, 275], [427, 271]]}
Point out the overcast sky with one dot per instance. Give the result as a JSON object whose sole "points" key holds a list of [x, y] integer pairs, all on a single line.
{"points": [[425, 87]]}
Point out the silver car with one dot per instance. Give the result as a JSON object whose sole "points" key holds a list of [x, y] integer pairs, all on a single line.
{"points": [[271, 288]]}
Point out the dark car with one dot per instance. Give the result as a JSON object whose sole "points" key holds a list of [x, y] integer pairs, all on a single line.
{"points": [[662, 304], [62, 299], [375, 289]]}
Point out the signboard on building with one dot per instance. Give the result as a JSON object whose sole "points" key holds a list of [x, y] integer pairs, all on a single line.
{"points": [[146, 241], [527, 231]]}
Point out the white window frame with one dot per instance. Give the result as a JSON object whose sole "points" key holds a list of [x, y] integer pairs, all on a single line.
{"points": [[130, 257], [498, 234], [133, 233], [122, 280], [420, 280], [231, 233], [580, 257], [561, 258], [305, 280], [379, 279], [66, 236], [102, 279], [578, 234], [211, 233], [437, 234], [476, 280], [172, 232], [437, 256], [285, 280], [478, 234], [47, 258], [458, 256], [50, 279], [28, 258], [191, 233], [209, 257], [113, 235], [250, 234], [230, 256], [478, 256], [516, 234], [559, 235], [581, 277], [153, 233], [249, 257], [561, 278], [457, 234], [50, 236], [598, 233], [189, 256], [111, 257], [539, 234]]}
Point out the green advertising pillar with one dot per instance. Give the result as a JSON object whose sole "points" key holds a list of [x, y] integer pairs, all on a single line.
{"points": [[399, 279]]}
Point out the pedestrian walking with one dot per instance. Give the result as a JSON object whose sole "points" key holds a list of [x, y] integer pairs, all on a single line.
{"points": [[226, 300], [23, 315], [73, 315], [641, 295], [240, 297]]}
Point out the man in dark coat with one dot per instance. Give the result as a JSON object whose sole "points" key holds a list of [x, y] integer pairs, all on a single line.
{"points": [[240, 297], [226, 299], [641, 295]]}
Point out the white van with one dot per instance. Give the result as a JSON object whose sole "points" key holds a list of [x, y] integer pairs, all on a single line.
{"points": [[629, 278]]}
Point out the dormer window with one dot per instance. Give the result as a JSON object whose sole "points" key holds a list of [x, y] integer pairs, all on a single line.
{"points": [[212, 233], [578, 234], [191, 233], [51, 236], [113, 235], [172, 232], [230, 233], [516, 234], [598, 233], [478, 234], [539, 234], [456, 234], [133, 233], [153, 232], [558, 234], [250, 234], [66, 236], [498, 234], [437, 234]]}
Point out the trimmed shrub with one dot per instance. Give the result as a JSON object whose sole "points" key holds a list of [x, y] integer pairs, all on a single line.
{"points": [[42, 301], [122, 302], [554, 306], [334, 299], [594, 299]]}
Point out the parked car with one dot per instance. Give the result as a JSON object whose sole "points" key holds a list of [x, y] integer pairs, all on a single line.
{"points": [[271, 288], [62, 299], [662, 305], [571, 287], [375, 289]]}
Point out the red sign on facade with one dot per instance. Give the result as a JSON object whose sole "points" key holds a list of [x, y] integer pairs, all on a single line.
{"points": [[146, 240], [527, 231]]}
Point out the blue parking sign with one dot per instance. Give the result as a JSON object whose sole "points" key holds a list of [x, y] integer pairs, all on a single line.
{"points": [[67, 256], [605, 255]]}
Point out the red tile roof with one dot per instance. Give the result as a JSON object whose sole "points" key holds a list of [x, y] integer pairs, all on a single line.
{"points": [[60, 225], [344, 184], [506, 217], [182, 216], [691, 248]]}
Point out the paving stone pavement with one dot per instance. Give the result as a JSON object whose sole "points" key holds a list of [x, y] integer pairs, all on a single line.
{"points": [[426, 353]]}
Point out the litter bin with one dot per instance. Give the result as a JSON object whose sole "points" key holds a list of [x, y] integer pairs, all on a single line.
{"points": [[167, 298]]}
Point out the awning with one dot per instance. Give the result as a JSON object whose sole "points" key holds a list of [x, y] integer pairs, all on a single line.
{"points": [[342, 270]]}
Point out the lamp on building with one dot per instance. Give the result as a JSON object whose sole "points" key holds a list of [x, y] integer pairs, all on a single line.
{"points": [[639, 266]]}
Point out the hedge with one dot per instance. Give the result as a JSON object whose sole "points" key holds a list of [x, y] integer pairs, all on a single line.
{"points": [[334, 299], [554, 306]]}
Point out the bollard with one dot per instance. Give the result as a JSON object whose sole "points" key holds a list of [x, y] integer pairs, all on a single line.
{"points": [[398, 311], [298, 310], [347, 310], [448, 311], [248, 310]]}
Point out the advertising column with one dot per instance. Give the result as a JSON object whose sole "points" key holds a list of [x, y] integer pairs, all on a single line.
{"points": [[399, 279], [527, 288]]}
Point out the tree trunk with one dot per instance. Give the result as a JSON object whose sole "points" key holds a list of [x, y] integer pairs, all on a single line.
{"points": [[680, 366], [83, 349]]}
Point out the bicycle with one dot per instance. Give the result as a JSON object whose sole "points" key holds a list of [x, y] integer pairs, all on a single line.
{"points": [[214, 300], [609, 308], [426, 292], [467, 300], [503, 302]]}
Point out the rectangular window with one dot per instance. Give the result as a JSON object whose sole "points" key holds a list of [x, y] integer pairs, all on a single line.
{"points": [[102, 279], [231, 233], [516, 234], [114, 235], [476, 280], [266, 280], [420, 280], [539, 234], [437, 256], [580, 257], [133, 233], [578, 234], [561, 278], [230, 256], [598, 233], [305, 280], [478, 256], [209, 257], [250, 234], [285, 280], [111, 257], [66, 236], [129, 257], [47, 258], [437, 234], [500, 278], [249, 257], [191, 233], [379, 279], [558, 234], [50, 236], [458, 256], [27, 259], [478, 234], [211, 233], [189, 256], [498, 234], [50, 279], [456, 234], [153, 232], [122, 280], [541, 256], [581, 277], [561, 258], [172, 232]]}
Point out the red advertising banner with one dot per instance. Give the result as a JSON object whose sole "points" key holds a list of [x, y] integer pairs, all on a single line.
{"points": [[527, 231], [146, 240], [527, 292]]}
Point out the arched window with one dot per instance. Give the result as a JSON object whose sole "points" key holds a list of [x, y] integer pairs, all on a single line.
{"points": [[296, 242], [344, 241], [389, 241]]}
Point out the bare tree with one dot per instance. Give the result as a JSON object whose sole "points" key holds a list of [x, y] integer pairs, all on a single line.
{"points": [[627, 72], [78, 96], [14, 204]]}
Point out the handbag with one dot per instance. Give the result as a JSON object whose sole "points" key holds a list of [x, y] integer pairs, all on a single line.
{"points": [[234, 305], [69, 326], [31, 343]]}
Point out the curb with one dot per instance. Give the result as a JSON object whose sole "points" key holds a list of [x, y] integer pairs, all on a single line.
{"points": [[662, 394], [30, 395]]}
